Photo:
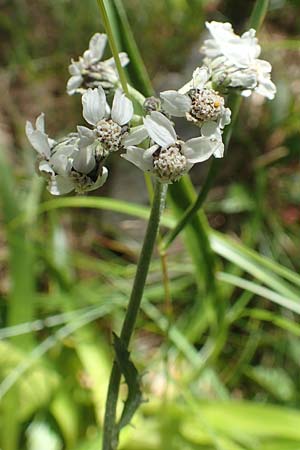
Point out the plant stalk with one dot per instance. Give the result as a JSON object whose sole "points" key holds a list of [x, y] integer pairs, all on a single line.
{"points": [[113, 45], [110, 432]]}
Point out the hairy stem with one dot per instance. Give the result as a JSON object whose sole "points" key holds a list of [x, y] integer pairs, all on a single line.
{"points": [[110, 433]]}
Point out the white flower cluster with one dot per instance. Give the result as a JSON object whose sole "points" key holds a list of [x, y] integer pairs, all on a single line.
{"points": [[76, 162], [233, 60], [89, 71]]}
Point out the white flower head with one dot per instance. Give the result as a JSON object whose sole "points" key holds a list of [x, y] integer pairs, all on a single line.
{"points": [[67, 164], [109, 128], [90, 71], [202, 106], [169, 158], [233, 59], [197, 101]]}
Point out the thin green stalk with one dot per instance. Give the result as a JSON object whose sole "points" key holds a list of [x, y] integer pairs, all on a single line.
{"points": [[258, 14], [139, 77], [256, 20], [113, 45], [110, 432]]}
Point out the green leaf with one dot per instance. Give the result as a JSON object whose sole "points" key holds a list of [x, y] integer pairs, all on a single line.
{"points": [[132, 378], [286, 302]]}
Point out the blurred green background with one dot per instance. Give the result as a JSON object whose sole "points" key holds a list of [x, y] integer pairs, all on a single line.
{"points": [[67, 265]]}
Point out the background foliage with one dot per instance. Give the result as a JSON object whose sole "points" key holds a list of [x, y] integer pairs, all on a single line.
{"points": [[221, 364]]}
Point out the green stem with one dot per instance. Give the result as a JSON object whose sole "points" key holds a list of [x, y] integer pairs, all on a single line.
{"points": [[110, 432], [140, 76], [113, 45], [258, 14]]}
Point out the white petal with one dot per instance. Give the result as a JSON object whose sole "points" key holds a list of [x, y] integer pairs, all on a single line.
{"points": [[94, 102], [61, 160], [28, 128], [59, 185], [123, 58], [243, 78], [252, 43], [263, 66], [211, 129], [122, 108], [148, 154], [45, 167], [97, 45], [246, 93], [198, 149], [100, 180], [86, 136], [160, 129], [239, 51], [75, 68], [219, 150], [225, 118], [266, 88], [175, 104], [200, 77], [40, 123], [135, 136], [74, 83], [135, 155], [84, 160], [38, 140], [221, 31]]}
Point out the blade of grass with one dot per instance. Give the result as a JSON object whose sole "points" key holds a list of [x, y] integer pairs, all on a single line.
{"points": [[240, 256], [292, 304]]}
